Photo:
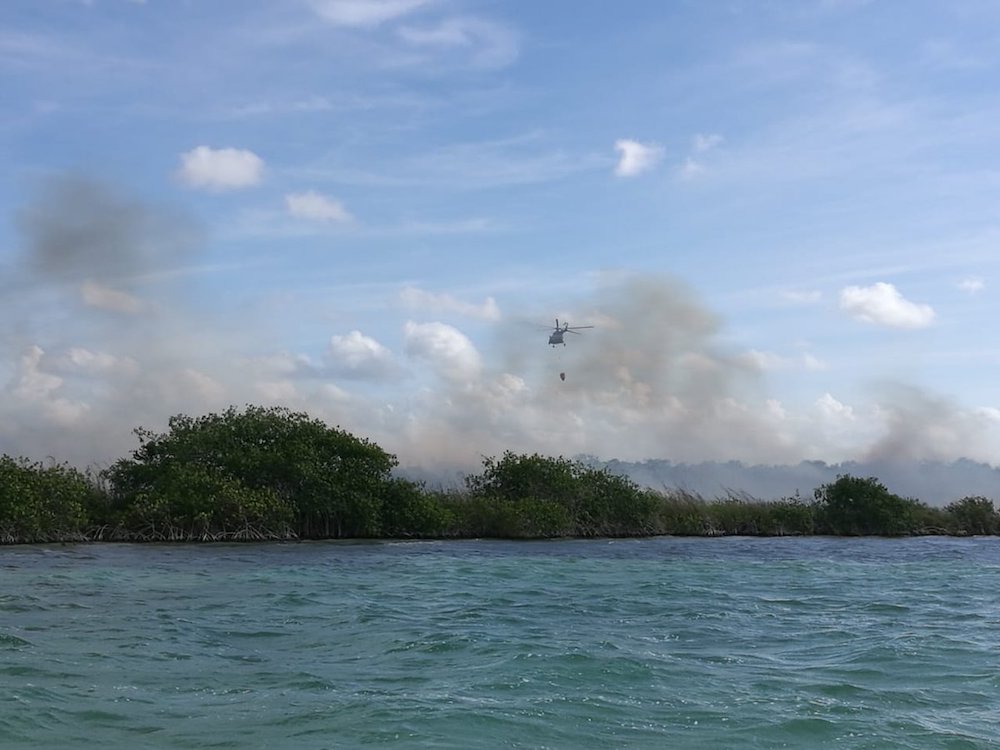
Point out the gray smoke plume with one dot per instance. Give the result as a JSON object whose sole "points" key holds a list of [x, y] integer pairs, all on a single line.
{"points": [[88, 339], [924, 427], [76, 228], [651, 379], [85, 252]]}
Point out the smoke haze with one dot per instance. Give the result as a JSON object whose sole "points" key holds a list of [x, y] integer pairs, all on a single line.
{"points": [[101, 336]]}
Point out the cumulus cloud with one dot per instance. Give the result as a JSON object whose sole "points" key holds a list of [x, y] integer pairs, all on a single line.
{"points": [[833, 409], [446, 349], [315, 206], [220, 169], [636, 158], [34, 385], [358, 355], [882, 304], [418, 299], [366, 13]]}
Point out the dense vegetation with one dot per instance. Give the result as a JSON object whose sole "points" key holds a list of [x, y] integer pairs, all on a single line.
{"points": [[269, 473]]}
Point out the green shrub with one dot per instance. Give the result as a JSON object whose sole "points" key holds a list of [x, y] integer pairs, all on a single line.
{"points": [[408, 510], [43, 503], [196, 503], [973, 515], [332, 481], [853, 506], [538, 496]]}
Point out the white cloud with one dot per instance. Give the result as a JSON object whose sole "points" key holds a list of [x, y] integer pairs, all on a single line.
{"points": [[990, 413], [636, 157], [33, 383], [365, 13], [833, 409], [220, 169], [971, 285], [492, 45], [418, 299], [111, 300], [882, 304], [313, 205], [446, 349], [360, 355], [41, 388]]}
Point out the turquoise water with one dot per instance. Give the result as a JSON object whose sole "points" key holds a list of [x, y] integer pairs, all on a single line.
{"points": [[657, 643]]}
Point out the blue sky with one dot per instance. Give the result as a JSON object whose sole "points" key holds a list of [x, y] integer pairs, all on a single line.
{"points": [[780, 217]]}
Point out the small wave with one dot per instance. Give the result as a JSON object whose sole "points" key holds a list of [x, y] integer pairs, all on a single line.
{"points": [[12, 641]]}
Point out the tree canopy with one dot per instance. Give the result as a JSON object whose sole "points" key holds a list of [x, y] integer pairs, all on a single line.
{"points": [[854, 506], [534, 495], [271, 465], [272, 473]]}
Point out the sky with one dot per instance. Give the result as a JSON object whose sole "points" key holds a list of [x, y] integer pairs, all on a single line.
{"points": [[780, 218]]}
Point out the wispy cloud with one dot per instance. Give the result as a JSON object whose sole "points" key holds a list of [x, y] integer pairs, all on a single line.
{"points": [[101, 297], [317, 207], [79, 359], [802, 296], [882, 304], [489, 44], [703, 142], [428, 302], [366, 13], [769, 361], [518, 160], [432, 228], [693, 165], [972, 285]]}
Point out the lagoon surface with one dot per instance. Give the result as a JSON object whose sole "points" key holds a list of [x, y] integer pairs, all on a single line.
{"points": [[653, 643]]}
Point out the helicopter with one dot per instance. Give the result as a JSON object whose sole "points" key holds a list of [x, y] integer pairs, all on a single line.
{"points": [[556, 337]]}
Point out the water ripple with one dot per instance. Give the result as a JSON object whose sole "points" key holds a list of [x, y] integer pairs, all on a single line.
{"points": [[735, 643]]}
